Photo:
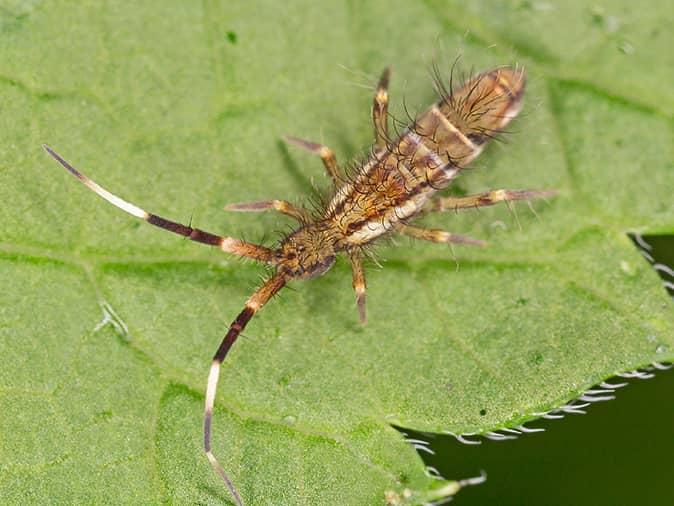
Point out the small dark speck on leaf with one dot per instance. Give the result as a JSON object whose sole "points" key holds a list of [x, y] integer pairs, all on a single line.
{"points": [[103, 415], [232, 37], [483, 412], [597, 19], [284, 380], [403, 478], [522, 301]]}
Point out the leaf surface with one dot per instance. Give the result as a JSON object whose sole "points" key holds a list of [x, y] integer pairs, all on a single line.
{"points": [[107, 326]]}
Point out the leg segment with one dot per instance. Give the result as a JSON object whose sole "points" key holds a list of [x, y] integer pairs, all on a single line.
{"points": [[326, 154], [439, 236], [282, 206], [380, 110], [359, 284], [487, 199], [227, 244], [253, 305]]}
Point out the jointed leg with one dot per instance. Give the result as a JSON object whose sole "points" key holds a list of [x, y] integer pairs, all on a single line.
{"points": [[227, 244], [282, 206], [359, 284], [487, 199], [434, 235], [253, 305], [380, 110], [326, 154]]}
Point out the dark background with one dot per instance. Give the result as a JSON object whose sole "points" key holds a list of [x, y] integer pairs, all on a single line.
{"points": [[620, 452]]}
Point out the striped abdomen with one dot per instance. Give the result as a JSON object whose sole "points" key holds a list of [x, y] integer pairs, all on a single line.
{"points": [[394, 183]]}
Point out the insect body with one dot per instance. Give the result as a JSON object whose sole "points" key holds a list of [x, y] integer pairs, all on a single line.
{"points": [[396, 183]]}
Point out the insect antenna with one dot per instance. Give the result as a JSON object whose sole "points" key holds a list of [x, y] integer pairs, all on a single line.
{"points": [[227, 244], [261, 296]]}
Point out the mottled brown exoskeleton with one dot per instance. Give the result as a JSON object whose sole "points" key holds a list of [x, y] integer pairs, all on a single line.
{"points": [[395, 184]]}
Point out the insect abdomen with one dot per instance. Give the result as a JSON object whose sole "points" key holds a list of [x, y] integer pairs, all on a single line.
{"points": [[394, 184], [459, 124]]}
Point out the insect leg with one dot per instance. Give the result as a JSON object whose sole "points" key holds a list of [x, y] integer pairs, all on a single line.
{"points": [[486, 199], [380, 110], [326, 154], [227, 244], [434, 235], [359, 284], [282, 206], [253, 305]]}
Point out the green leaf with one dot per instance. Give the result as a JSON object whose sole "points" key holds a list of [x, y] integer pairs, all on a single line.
{"points": [[107, 326]]}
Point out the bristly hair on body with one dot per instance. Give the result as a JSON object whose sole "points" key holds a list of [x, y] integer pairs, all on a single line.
{"points": [[396, 183]]}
